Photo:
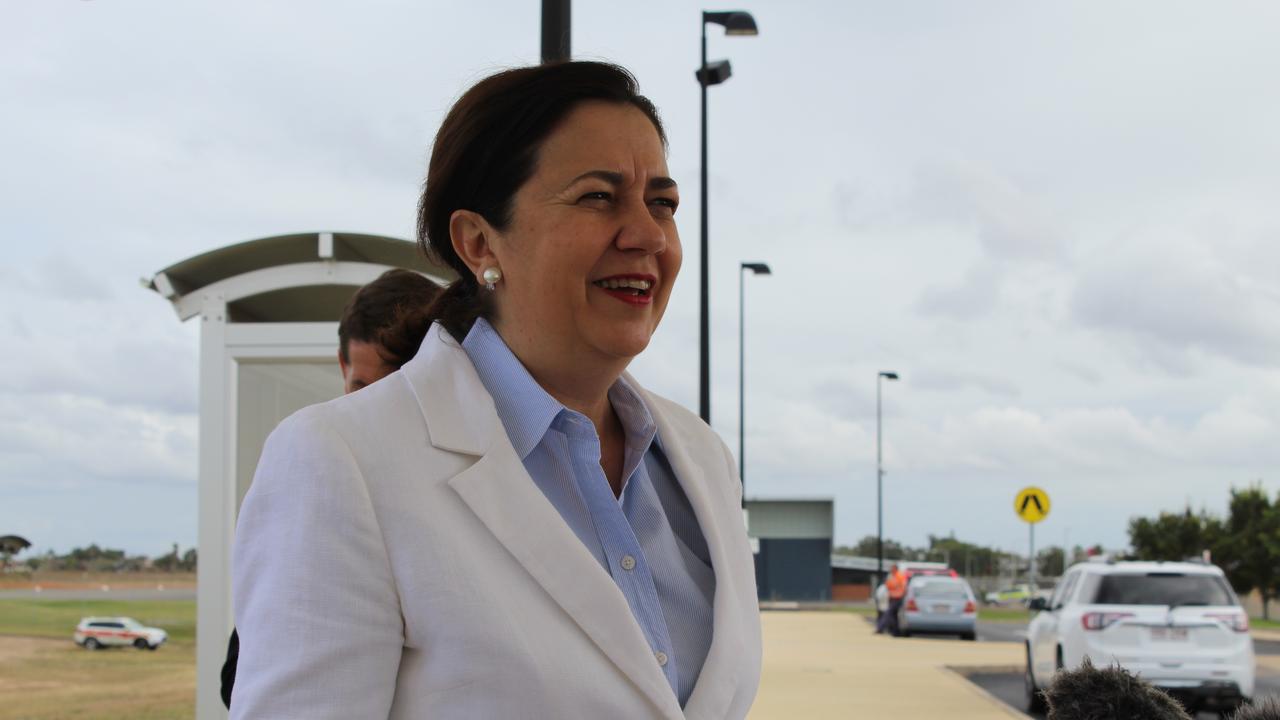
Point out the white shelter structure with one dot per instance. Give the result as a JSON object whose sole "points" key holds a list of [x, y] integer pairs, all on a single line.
{"points": [[268, 311]]}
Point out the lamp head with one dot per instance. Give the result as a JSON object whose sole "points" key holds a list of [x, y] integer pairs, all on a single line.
{"points": [[716, 72], [889, 375], [757, 268], [735, 22]]}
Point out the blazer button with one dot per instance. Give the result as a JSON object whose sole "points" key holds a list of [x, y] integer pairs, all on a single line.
{"points": [[628, 563], [661, 657]]}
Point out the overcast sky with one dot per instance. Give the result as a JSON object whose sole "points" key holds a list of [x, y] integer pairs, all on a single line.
{"points": [[1060, 223]]}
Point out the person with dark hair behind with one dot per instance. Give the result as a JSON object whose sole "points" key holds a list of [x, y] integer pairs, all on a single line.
{"points": [[1112, 693], [383, 325], [511, 526], [380, 329]]}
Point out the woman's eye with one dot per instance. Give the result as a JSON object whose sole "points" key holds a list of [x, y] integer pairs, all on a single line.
{"points": [[666, 206], [600, 195]]}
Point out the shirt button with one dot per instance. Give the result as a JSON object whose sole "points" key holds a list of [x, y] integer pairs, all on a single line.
{"points": [[628, 562], [661, 657]]}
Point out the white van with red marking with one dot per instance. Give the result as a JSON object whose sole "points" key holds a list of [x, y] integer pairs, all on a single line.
{"points": [[96, 632]]}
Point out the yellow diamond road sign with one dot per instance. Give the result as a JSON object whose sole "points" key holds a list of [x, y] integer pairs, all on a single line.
{"points": [[1032, 504]]}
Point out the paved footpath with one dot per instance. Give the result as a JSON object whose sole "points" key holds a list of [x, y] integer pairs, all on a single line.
{"points": [[828, 665]]}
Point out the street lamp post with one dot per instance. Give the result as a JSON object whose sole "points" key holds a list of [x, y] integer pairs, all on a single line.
{"points": [[555, 30], [735, 22], [885, 375], [756, 269]]}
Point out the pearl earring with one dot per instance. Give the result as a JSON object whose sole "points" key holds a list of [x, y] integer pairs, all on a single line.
{"points": [[491, 276]]}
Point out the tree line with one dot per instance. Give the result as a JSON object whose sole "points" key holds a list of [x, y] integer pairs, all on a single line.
{"points": [[1245, 543], [972, 559], [98, 559]]}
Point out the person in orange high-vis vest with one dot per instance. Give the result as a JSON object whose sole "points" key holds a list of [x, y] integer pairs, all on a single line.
{"points": [[896, 585]]}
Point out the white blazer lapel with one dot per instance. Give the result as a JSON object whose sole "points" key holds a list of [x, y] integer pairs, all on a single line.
{"points": [[699, 467], [461, 418]]}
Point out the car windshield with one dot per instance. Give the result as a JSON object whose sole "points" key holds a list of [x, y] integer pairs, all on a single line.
{"points": [[130, 623], [941, 589], [1162, 589]]}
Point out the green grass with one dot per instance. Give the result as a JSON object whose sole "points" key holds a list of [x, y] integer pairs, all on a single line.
{"points": [[44, 676], [58, 618], [1006, 615], [1260, 624]]}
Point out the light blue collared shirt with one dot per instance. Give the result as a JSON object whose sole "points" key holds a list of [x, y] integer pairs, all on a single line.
{"points": [[648, 540]]}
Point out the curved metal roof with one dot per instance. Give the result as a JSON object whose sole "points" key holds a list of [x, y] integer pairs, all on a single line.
{"points": [[304, 277]]}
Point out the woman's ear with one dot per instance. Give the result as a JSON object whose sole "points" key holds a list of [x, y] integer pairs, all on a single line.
{"points": [[472, 238]]}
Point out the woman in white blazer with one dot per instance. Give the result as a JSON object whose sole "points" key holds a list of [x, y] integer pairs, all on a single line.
{"points": [[510, 526]]}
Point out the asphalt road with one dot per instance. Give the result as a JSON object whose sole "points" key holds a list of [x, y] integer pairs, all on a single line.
{"points": [[1001, 632], [1008, 687], [1016, 632]]}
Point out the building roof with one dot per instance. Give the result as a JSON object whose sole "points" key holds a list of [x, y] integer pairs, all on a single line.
{"points": [[855, 562], [302, 277]]}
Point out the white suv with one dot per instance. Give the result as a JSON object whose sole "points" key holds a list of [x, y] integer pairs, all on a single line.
{"points": [[1177, 625], [96, 632]]}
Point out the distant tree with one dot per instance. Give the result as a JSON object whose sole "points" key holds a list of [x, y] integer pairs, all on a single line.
{"points": [[169, 561], [1050, 561], [188, 560], [1249, 551], [92, 558], [1078, 555], [966, 557], [866, 547], [1174, 536], [11, 545]]}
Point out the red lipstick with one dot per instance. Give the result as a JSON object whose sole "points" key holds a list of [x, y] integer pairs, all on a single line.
{"points": [[630, 288]]}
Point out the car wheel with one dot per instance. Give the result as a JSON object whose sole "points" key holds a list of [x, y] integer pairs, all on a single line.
{"points": [[969, 636], [152, 648], [1034, 698], [140, 643], [91, 644]]}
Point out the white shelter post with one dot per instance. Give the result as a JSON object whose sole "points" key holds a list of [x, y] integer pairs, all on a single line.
{"points": [[268, 310], [216, 511]]}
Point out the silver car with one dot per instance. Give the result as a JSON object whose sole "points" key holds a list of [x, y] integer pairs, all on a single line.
{"points": [[939, 604]]}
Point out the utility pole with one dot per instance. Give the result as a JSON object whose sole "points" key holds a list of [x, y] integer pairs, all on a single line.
{"points": [[555, 31]]}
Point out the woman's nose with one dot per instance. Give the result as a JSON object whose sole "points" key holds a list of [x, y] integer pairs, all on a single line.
{"points": [[642, 231]]}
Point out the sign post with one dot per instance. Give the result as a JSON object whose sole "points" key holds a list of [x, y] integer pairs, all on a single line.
{"points": [[1032, 505]]}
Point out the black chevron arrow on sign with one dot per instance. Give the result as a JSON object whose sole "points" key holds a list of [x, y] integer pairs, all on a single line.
{"points": [[1031, 499]]}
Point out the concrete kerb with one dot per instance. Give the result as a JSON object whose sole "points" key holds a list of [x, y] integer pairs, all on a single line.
{"points": [[963, 674]]}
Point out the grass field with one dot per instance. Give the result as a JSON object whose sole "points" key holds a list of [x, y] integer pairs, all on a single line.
{"points": [[1009, 615], [45, 676], [985, 614]]}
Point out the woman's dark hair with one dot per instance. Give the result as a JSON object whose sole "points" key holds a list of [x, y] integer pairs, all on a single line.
{"points": [[392, 312], [487, 147]]}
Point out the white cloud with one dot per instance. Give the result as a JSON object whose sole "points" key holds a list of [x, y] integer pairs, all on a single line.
{"points": [[1174, 292], [1069, 255], [74, 443]]}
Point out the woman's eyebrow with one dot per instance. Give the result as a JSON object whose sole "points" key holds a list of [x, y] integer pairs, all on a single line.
{"points": [[615, 179], [661, 183]]}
